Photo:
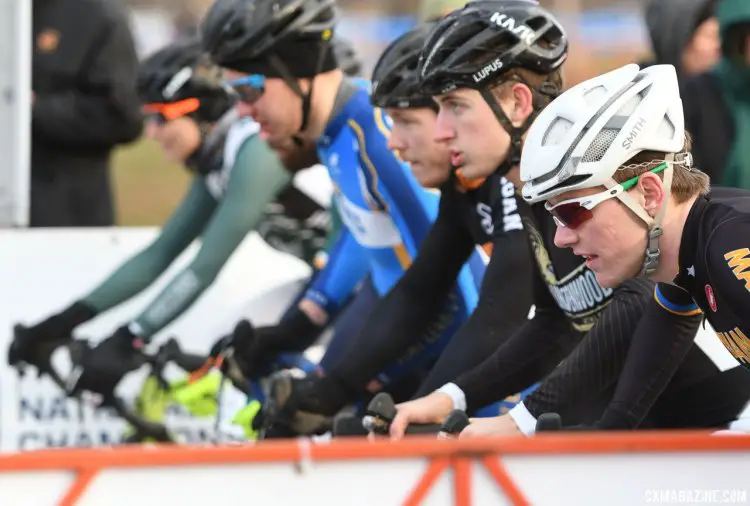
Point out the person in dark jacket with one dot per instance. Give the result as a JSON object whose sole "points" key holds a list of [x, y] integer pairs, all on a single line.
{"points": [[684, 33], [84, 103], [717, 103]]}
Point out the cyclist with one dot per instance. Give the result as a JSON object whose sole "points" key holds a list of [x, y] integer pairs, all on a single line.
{"points": [[278, 58], [236, 176], [473, 213], [492, 66], [641, 193]]}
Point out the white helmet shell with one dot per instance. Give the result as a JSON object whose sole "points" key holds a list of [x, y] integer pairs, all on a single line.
{"points": [[585, 135]]}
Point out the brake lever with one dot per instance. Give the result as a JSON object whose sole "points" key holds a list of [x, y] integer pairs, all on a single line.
{"points": [[381, 412]]}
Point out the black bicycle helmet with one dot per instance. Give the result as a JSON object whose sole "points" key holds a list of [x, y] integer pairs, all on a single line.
{"points": [[395, 80], [475, 47], [346, 56], [289, 39], [235, 30], [182, 71]]}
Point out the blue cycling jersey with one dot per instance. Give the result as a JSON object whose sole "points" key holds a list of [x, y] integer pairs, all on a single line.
{"points": [[386, 215], [385, 211]]}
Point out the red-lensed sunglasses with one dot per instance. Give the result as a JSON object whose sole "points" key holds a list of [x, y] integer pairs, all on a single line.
{"points": [[170, 111], [573, 213]]}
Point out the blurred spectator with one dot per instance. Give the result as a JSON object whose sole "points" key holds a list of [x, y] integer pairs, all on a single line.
{"points": [[717, 103], [84, 104], [186, 23], [684, 33]]}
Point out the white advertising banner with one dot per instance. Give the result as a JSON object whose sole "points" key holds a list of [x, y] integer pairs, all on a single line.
{"points": [[42, 271]]}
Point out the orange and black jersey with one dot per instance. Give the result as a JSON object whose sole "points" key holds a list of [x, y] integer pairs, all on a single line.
{"points": [[715, 268]]}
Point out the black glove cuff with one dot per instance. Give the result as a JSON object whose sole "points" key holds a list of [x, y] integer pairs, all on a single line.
{"points": [[128, 340], [67, 320], [78, 313], [296, 332], [298, 323], [328, 396]]}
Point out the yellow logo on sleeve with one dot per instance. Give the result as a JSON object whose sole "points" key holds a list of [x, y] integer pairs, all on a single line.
{"points": [[739, 261]]}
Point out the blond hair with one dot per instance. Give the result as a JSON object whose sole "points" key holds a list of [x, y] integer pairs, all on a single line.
{"points": [[687, 182]]}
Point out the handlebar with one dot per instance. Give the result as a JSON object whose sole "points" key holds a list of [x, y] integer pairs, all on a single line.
{"points": [[144, 429], [382, 410]]}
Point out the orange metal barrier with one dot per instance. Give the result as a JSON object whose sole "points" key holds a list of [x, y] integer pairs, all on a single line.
{"points": [[443, 455]]}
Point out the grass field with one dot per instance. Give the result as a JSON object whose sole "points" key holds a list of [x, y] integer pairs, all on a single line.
{"points": [[147, 187]]}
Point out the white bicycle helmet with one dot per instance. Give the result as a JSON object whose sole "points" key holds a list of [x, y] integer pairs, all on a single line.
{"points": [[584, 136]]}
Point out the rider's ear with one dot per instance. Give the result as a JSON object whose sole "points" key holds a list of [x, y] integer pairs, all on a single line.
{"points": [[523, 103], [651, 188]]}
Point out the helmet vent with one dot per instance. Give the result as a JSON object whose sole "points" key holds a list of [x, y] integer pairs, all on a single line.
{"points": [[594, 95], [556, 131], [598, 148]]}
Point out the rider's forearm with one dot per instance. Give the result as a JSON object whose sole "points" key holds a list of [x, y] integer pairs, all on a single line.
{"points": [[401, 317], [346, 267], [250, 189], [525, 358], [501, 311], [595, 365], [659, 346], [137, 273]]}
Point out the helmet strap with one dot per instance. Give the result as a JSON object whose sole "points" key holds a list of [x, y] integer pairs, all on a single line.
{"points": [[655, 230], [651, 261], [209, 156], [293, 84], [516, 133]]}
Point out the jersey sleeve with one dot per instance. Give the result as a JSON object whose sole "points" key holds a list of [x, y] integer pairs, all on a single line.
{"points": [[728, 266], [505, 298], [525, 357], [675, 300], [142, 269], [346, 266], [255, 179], [596, 363], [399, 319], [660, 343], [382, 167]]}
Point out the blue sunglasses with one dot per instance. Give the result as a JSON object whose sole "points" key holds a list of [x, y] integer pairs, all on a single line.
{"points": [[249, 88]]}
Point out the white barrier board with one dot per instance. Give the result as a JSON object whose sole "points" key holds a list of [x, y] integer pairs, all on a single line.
{"points": [[42, 271]]}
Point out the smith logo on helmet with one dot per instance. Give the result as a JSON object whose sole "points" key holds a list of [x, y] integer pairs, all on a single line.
{"points": [[525, 33], [488, 70], [633, 133]]}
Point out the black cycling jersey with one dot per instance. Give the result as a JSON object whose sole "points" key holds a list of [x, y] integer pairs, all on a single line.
{"points": [[466, 218], [570, 302], [567, 301], [715, 266], [707, 281], [697, 393]]}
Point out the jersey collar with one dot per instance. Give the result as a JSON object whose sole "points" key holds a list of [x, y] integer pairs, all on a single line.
{"points": [[688, 242], [360, 99]]}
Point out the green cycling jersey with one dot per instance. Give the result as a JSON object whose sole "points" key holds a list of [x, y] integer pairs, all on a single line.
{"points": [[220, 209]]}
